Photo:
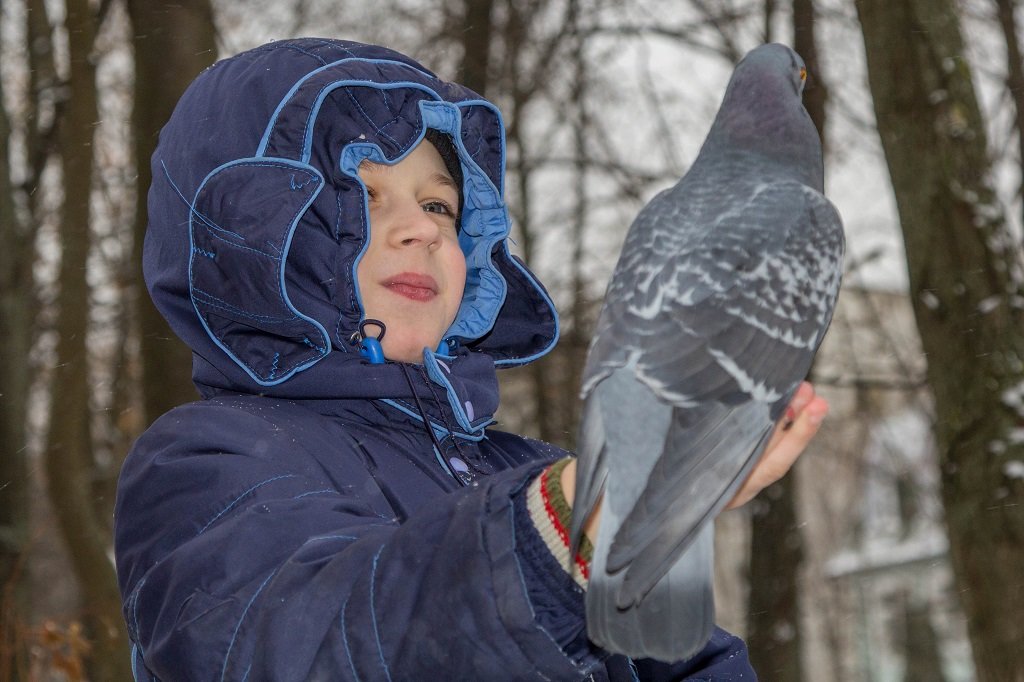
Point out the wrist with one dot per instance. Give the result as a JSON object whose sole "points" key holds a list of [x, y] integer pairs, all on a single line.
{"points": [[551, 512], [568, 480]]}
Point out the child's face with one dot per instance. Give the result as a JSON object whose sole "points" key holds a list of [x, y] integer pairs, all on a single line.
{"points": [[413, 272]]}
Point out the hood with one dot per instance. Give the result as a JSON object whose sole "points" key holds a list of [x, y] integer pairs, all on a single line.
{"points": [[257, 218]]}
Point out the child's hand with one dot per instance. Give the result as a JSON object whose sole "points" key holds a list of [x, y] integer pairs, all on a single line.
{"points": [[802, 420], [792, 434]]}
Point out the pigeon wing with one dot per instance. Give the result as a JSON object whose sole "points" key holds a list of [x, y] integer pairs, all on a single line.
{"points": [[741, 315]]}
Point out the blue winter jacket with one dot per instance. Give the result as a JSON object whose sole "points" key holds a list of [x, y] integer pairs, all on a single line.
{"points": [[318, 516]]}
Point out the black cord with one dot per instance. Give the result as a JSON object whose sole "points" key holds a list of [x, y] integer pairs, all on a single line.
{"points": [[447, 425], [430, 428]]}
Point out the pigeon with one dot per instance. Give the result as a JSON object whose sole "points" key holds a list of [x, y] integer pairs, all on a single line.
{"points": [[723, 291]]}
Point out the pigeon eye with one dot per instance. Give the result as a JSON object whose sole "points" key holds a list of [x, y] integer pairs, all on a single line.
{"points": [[803, 74]]}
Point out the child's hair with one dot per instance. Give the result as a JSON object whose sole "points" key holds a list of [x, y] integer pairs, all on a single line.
{"points": [[446, 148]]}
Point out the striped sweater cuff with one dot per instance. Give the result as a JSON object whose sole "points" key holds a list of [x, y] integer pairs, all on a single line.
{"points": [[551, 515]]}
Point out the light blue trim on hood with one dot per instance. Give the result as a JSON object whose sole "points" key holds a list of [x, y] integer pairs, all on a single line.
{"points": [[484, 221], [551, 304], [262, 149]]}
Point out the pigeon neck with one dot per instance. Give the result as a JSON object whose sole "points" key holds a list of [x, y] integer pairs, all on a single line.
{"points": [[781, 135]]}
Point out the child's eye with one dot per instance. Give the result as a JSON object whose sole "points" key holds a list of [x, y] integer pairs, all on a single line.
{"points": [[439, 207]]}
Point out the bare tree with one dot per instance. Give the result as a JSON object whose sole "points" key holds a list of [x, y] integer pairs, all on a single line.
{"points": [[69, 453], [477, 26], [774, 636], [19, 302], [1006, 12], [805, 43], [525, 68], [577, 338], [924, 664], [774, 633], [965, 281], [173, 43], [15, 325]]}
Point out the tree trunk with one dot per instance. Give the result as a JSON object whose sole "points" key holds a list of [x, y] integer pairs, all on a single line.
{"points": [[1006, 10], [19, 303], [815, 96], [577, 340], [920, 643], [965, 272], [774, 628], [477, 28], [173, 43], [69, 456], [776, 551], [545, 413], [16, 309], [515, 38]]}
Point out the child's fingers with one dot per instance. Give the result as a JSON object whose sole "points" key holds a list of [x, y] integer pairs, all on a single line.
{"points": [[804, 395], [801, 399], [789, 440]]}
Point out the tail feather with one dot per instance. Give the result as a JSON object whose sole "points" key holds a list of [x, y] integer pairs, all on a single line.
{"points": [[673, 622], [684, 523], [703, 463]]}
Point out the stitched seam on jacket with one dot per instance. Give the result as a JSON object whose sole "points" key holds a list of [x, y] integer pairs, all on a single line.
{"points": [[373, 615], [236, 245], [369, 119], [191, 207], [231, 644], [135, 614], [238, 499], [256, 164], [332, 537], [327, 491], [213, 227], [323, 62], [344, 640], [215, 302]]}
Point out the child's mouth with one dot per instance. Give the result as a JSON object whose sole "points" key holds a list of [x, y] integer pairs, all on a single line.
{"points": [[412, 286]]}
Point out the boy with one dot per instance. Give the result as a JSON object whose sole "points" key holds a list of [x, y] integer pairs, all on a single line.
{"points": [[328, 234]]}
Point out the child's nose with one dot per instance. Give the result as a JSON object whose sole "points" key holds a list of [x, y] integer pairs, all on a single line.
{"points": [[412, 226]]}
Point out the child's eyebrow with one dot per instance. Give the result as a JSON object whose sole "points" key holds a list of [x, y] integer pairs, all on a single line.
{"points": [[445, 180], [439, 177], [372, 165]]}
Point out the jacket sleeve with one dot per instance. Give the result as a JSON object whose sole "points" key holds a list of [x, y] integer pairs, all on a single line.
{"points": [[240, 557], [558, 601]]}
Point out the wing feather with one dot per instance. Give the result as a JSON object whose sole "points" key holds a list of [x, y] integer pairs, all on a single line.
{"points": [[737, 324]]}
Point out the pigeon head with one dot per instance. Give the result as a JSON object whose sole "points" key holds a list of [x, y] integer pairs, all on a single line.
{"points": [[774, 60], [762, 114]]}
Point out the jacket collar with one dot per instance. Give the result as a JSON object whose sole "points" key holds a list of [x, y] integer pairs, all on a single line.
{"points": [[458, 393]]}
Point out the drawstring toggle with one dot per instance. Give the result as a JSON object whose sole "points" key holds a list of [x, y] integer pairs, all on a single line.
{"points": [[369, 347]]}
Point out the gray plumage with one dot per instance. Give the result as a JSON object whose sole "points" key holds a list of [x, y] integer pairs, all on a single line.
{"points": [[721, 296]]}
